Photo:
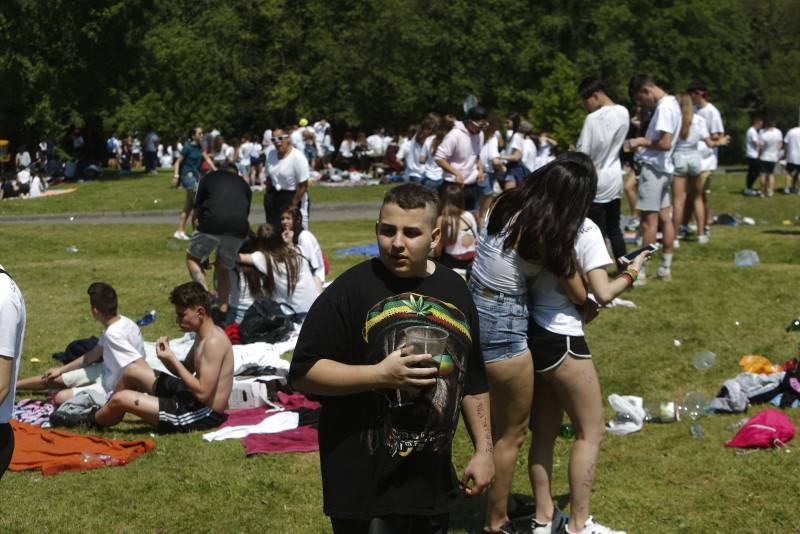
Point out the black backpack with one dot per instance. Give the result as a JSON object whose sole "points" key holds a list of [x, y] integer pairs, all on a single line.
{"points": [[266, 320]]}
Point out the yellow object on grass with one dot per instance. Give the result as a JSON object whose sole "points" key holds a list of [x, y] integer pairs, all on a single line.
{"points": [[755, 363]]}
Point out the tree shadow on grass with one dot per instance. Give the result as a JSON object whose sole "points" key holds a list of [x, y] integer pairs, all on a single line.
{"points": [[781, 232], [469, 517]]}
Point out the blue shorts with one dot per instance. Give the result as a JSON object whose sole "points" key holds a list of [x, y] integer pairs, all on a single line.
{"points": [[486, 189], [503, 321]]}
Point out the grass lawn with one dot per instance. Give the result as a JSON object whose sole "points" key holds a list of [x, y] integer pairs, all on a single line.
{"points": [[658, 480], [141, 192]]}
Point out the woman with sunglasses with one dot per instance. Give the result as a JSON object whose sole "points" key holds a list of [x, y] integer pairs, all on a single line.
{"points": [[287, 179]]}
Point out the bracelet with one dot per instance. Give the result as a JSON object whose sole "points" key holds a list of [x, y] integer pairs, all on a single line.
{"points": [[626, 274]]}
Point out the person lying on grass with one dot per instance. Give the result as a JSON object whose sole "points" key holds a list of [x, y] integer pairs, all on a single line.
{"points": [[120, 345], [194, 399]]}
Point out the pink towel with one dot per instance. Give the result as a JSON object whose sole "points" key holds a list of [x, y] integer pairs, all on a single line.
{"points": [[301, 439]]}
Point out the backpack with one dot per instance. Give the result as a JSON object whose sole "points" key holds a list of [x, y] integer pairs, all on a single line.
{"points": [[110, 146], [266, 321]]}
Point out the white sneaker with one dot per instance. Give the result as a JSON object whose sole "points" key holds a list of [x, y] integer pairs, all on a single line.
{"points": [[557, 525], [181, 236], [664, 273], [641, 280], [676, 244], [702, 239], [593, 527]]}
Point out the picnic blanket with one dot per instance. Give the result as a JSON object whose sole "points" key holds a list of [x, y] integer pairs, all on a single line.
{"points": [[364, 250], [34, 412], [55, 451]]}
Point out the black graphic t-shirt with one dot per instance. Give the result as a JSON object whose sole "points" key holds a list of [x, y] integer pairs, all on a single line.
{"points": [[388, 452]]}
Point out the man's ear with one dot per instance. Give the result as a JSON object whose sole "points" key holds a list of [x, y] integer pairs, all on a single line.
{"points": [[377, 227], [436, 235]]}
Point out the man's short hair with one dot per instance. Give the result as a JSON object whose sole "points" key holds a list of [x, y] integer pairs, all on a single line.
{"points": [[639, 82], [413, 196], [477, 113], [590, 86], [190, 295], [103, 298], [698, 88]]}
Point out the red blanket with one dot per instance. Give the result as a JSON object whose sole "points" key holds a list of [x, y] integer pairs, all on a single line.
{"points": [[54, 451]]}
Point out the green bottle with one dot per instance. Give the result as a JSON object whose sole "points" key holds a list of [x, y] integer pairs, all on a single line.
{"points": [[567, 431], [794, 326]]}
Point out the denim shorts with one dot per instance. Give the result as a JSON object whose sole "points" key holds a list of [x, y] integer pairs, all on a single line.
{"points": [[486, 189], [503, 321], [687, 163]]}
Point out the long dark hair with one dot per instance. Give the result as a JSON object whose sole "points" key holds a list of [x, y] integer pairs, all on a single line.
{"points": [[451, 206], [252, 276], [297, 222], [271, 243], [541, 218]]}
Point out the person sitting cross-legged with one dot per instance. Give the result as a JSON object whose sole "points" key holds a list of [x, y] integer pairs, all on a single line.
{"points": [[194, 399]]}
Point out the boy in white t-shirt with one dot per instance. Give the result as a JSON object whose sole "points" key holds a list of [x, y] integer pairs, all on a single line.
{"points": [[654, 152], [12, 332], [120, 345], [770, 143], [604, 131], [791, 145]]}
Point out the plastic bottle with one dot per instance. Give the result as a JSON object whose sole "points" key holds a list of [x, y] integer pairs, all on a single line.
{"points": [[704, 360], [794, 326], [694, 406], [746, 258], [567, 431], [72, 249], [148, 318], [661, 412], [105, 459], [697, 431]]}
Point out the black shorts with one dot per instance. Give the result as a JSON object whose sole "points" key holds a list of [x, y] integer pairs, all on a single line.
{"points": [[550, 349], [792, 168], [766, 167], [6, 446], [178, 408]]}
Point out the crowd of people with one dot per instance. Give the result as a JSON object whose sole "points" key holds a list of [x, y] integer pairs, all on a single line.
{"points": [[493, 256]]}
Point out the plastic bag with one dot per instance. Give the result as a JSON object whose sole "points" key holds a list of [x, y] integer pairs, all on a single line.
{"points": [[755, 363], [770, 428], [630, 414]]}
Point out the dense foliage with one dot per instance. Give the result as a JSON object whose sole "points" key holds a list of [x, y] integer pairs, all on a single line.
{"points": [[127, 65]]}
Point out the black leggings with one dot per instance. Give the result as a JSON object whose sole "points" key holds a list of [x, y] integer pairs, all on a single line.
{"points": [[606, 217], [6, 446], [752, 172]]}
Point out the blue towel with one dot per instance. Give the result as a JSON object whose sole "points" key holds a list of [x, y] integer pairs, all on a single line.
{"points": [[370, 250]]}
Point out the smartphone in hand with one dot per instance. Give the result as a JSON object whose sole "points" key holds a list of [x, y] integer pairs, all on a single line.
{"points": [[628, 258]]}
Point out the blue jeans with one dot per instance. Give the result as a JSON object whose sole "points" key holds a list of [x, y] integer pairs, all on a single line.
{"points": [[503, 320]]}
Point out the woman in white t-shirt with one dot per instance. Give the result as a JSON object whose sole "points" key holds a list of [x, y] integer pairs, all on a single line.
{"points": [[459, 237], [286, 273], [294, 234], [770, 143], [565, 376], [688, 167], [528, 229]]}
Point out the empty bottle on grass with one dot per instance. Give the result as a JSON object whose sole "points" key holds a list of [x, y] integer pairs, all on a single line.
{"points": [[661, 412], [567, 431], [794, 326], [746, 258], [105, 459], [704, 360], [148, 318]]}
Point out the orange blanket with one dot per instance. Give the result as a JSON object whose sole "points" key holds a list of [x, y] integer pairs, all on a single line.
{"points": [[54, 451]]}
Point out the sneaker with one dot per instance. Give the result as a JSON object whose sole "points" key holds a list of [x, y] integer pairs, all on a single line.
{"points": [[640, 281], [557, 526], [707, 230], [664, 273], [181, 236], [702, 239], [507, 528], [593, 527], [750, 192], [676, 244], [786, 191], [682, 231], [633, 224], [692, 228]]}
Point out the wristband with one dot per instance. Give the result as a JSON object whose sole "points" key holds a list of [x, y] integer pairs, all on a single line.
{"points": [[627, 275]]}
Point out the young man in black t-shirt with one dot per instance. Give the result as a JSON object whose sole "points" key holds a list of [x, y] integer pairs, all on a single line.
{"points": [[221, 211], [388, 412]]}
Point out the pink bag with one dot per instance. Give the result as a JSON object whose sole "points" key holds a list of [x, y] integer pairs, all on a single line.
{"points": [[770, 428]]}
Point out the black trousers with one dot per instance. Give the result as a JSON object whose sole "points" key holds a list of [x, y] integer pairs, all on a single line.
{"points": [[150, 161], [752, 172], [606, 216], [6, 447], [275, 202], [393, 524]]}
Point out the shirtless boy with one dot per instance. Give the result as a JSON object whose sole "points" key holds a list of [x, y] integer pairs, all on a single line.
{"points": [[197, 398]]}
